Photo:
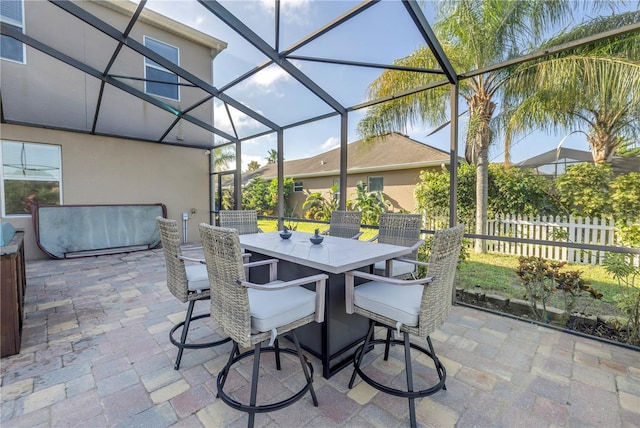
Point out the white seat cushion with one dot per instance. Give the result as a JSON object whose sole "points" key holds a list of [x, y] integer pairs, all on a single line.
{"points": [[273, 309], [400, 303], [197, 278], [398, 268]]}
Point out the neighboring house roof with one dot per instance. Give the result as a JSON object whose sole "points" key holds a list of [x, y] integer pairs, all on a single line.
{"points": [[390, 152], [563, 155]]}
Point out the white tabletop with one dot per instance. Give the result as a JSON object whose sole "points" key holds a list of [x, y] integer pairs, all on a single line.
{"points": [[333, 255]]}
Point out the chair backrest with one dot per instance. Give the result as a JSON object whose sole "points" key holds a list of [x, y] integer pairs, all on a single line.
{"points": [[400, 229], [443, 261], [345, 224], [244, 221], [229, 301], [176, 272]]}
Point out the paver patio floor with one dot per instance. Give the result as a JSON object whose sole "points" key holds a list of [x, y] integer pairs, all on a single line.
{"points": [[95, 353]]}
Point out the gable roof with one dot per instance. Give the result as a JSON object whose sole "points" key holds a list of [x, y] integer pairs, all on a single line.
{"points": [[389, 152]]}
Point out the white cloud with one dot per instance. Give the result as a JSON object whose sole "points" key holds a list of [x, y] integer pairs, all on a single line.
{"points": [[241, 121], [292, 11], [331, 143], [267, 78]]}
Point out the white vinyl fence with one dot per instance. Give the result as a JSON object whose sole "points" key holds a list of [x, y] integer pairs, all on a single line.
{"points": [[576, 230], [565, 229]]}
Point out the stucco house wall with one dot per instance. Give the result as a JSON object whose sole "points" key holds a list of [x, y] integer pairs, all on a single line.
{"points": [[101, 170], [398, 187]]}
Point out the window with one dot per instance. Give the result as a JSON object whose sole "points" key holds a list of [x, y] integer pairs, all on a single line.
{"points": [[376, 184], [31, 173], [11, 13], [297, 186], [155, 74]]}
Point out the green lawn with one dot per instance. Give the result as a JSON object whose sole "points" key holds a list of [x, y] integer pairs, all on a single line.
{"points": [[494, 273]]}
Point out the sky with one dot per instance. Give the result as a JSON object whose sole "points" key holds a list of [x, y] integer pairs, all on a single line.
{"points": [[379, 35]]}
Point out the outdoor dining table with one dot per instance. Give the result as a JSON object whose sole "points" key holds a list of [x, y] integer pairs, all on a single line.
{"points": [[337, 336]]}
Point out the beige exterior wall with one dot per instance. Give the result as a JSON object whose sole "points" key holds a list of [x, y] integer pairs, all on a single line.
{"points": [[398, 187], [58, 95], [101, 170]]}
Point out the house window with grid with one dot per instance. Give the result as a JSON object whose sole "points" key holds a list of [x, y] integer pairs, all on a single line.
{"points": [[297, 186], [12, 14], [158, 80], [376, 184], [31, 174]]}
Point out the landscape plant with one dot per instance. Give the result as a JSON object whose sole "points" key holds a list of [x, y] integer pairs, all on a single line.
{"points": [[537, 276], [287, 188], [583, 190], [317, 207], [625, 268], [256, 196], [370, 204], [542, 278]]}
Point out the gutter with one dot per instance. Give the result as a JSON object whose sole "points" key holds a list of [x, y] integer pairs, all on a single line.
{"points": [[366, 169]]}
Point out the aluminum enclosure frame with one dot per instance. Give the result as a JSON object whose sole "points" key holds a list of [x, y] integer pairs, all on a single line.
{"points": [[275, 56]]}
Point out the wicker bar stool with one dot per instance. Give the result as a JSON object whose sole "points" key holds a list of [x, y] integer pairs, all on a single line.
{"points": [[253, 313], [188, 283], [345, 224], [244, 221], [399, 229], [417, 307]]}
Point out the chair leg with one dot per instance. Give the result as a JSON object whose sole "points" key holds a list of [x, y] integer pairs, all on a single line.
{"points": [[184, 325], [407, 361], [254, 383], [387, 344], [304, 362], [277, 347], [358, 356], [225, 370], [436, 361], [185, 330]]}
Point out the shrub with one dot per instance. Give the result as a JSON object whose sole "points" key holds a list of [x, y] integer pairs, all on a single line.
{"points": [[624, 269], [370, 204], [318, 208], [542, 278], [584, 190]]}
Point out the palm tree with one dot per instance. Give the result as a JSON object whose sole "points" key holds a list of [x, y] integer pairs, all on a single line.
{"points": [[272, 156], [253, 165], [222, 157], [594, 86], [474, 34]]}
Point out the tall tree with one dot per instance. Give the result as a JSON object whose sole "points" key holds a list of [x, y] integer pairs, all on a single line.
{"points": [[474, 34], [594, 87], [222, 157], [253, 165], [272, 156]]}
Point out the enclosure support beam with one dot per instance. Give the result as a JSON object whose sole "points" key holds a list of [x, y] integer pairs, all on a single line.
{"points": [[344, 130]]}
